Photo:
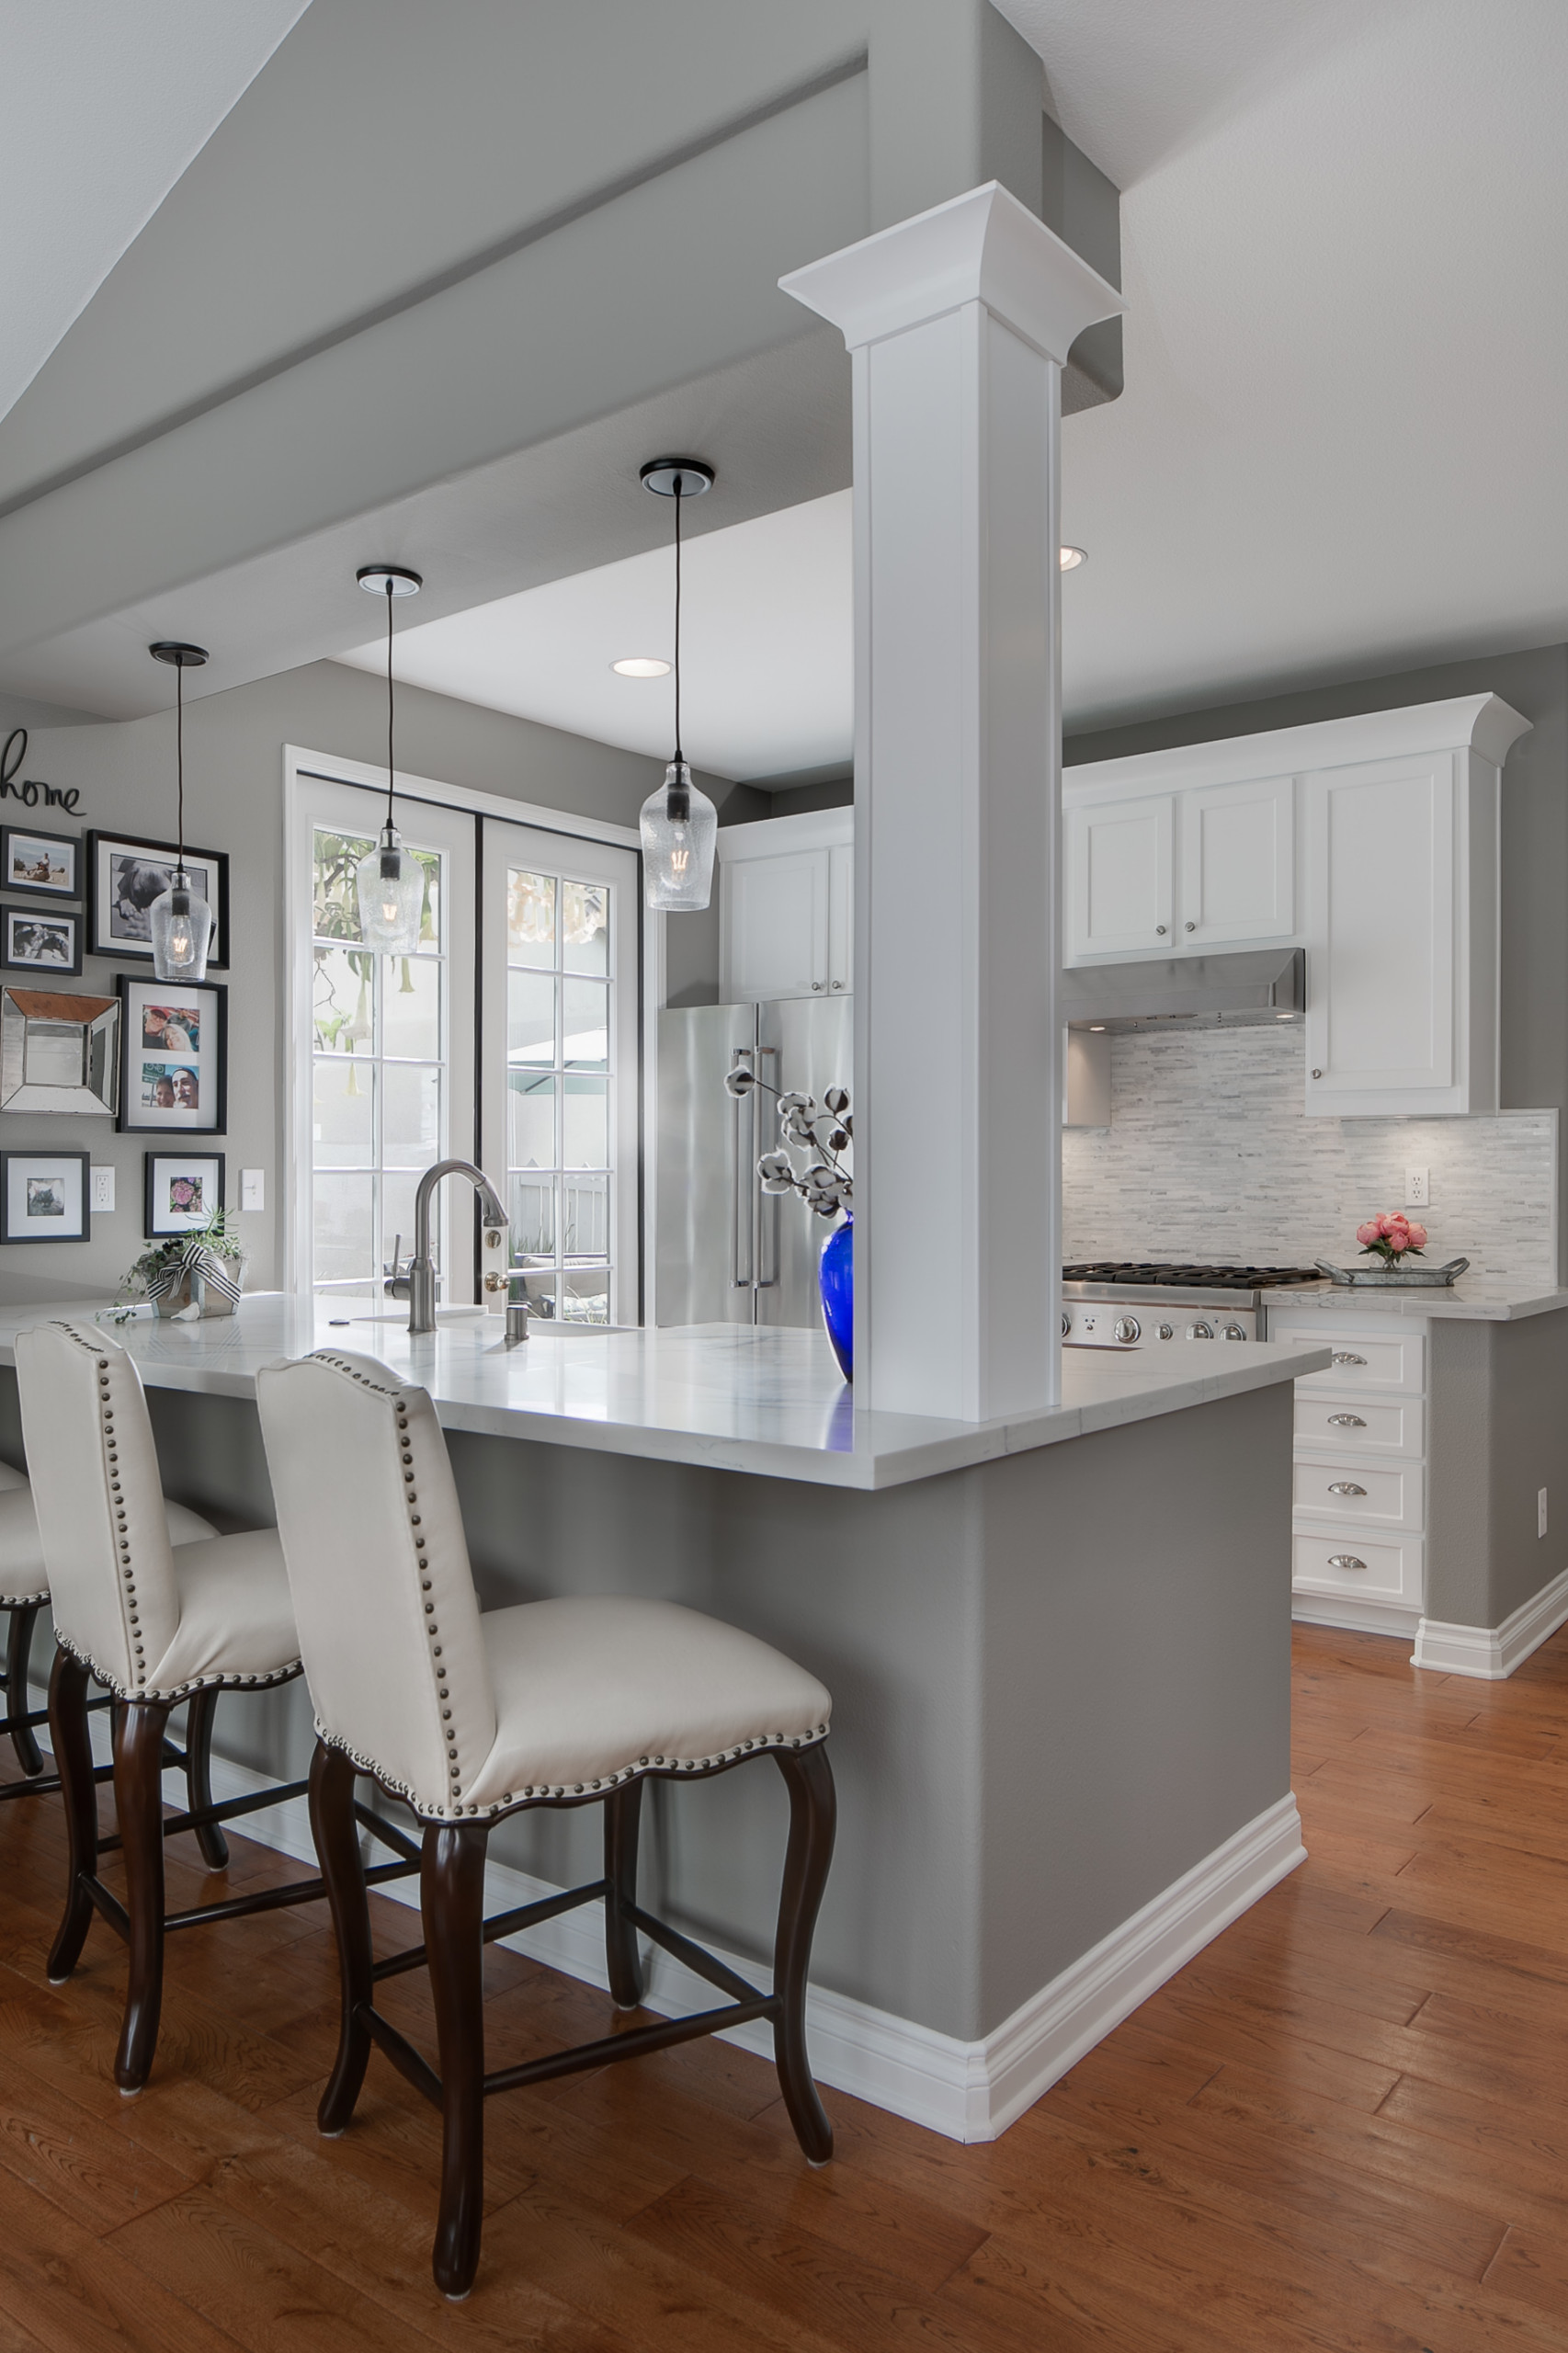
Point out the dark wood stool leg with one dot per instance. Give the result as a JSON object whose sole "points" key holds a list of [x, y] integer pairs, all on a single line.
{"points": [[336, 1835], [69, 1728], [624, 1815], [813, 1810], [138, 1731], [18, 1644], [202, 1708], [451, 1898]]}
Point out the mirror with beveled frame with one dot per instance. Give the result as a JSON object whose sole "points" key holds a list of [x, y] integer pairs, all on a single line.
{"points": [[59, 1050]]}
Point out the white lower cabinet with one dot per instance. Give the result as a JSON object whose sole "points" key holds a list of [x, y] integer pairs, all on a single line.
{"points": [[1359, 1481]]}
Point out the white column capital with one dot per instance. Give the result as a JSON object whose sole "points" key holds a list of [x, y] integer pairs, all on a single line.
{"points": [[982, 247]]}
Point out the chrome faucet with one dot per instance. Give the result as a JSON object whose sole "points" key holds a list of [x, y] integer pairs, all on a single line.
{"points": [[420, 1272]]}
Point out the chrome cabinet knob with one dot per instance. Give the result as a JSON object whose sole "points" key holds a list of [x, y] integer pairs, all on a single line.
{"points": [[1167, 1332], [1066, 1323], [1200, 1331], [1235, 1331], [1344, 1487], [1161, 929], [1345, 1561], [1126, 1328], [1192, 926], [816, 984], [1343, 1356], [1317, 1074], [1346, 1422], [837, 984]]}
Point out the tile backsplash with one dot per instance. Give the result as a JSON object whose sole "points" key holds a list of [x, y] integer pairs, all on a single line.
{"points": [[1211, 1155]]}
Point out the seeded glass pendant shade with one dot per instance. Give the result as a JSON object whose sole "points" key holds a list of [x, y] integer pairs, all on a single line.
{"points": [[390, 881], [179, 919], [679, 825]]}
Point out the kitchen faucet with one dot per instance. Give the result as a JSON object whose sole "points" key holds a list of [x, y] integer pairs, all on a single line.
{"points": [[421, 1273]]}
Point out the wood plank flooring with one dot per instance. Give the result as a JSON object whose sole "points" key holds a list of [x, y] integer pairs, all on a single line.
{"points": [[1344, 2126]]}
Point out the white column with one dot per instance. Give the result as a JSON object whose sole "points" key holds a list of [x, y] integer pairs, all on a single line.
{"points": [[959, 322]]}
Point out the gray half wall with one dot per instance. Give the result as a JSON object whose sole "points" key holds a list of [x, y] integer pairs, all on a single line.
{"points": [[1497, 1433]]}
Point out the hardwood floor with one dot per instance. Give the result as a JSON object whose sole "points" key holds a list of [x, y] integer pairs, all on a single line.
{"points": [[1344, 2126]]}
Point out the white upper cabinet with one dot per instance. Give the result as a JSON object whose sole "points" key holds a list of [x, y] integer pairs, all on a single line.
{"points": [[786, 907], [1237, 870], [1119, 877]]}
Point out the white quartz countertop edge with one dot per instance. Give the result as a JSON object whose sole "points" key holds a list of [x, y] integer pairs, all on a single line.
{"points": [[1480, 1302], [768, 1403]]}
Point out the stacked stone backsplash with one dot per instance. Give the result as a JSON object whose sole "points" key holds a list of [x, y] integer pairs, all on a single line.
{"points": [[1210, 1155]]}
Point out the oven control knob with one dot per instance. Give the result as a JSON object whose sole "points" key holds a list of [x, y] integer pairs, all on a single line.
{"points": [[1167, 1332], [1235, 1332], [1066, 1323], [1128, 1328], [1200, 1331]]}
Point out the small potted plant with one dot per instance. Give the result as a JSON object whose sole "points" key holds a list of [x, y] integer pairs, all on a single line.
{"points": [[189, 1274]]}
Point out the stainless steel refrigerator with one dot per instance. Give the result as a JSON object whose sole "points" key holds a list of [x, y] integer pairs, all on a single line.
{"points": [[727, 1252]]}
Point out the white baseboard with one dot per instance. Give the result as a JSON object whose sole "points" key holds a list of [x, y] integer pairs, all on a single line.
{"points": [[969, 2091], [1492, 1653], [1356, 1616]]}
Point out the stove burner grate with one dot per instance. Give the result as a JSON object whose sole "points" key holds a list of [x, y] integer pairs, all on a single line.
{"points": [[1190, 1277]]}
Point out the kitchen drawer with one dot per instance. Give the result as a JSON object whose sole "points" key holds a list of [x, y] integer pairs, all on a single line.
{"points": [[1358, 1425], [1371, 1495], [1379, 1568], [1368, 1362]]}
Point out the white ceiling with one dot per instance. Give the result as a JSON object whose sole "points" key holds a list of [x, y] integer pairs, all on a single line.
{"points": [[766, 647], [1341, 448], [106, 104]]}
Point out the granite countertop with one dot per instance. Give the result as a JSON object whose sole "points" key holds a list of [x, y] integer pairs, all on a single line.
{"points": [[1477, 1297], [766, 1401]]}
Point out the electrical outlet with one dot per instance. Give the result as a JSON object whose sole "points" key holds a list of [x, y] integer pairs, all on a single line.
{"points": [[1541, 1513], [103, 1189], [1417, 1193], [253, 1188]]}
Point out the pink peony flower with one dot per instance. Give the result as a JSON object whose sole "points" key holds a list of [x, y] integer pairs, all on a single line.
{"points": [[1397, 1240], [1418, 1237], [1369, 1234]]}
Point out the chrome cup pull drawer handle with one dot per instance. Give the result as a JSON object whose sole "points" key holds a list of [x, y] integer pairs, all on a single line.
{"points": [[1344, 1487], [1346, 1422], [1343, 1356], [1345, 1561]]}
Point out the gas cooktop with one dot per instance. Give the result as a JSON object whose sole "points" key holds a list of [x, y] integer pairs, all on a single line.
{"points": [[1188, 1278]]}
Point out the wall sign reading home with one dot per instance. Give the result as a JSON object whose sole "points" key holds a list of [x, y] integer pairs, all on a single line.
{"points": [[27, 790]]}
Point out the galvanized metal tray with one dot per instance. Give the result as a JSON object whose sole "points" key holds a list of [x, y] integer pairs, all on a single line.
{"points": [[1394, 1278]]}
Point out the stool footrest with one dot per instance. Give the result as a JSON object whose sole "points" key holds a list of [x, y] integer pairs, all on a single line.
{"points": [[696, 1957], [198, 1816], [632, 2044], [503, 1923]]}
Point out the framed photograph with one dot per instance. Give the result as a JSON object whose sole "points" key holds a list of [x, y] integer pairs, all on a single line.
{"points": [[58, 1049], [181, 1189], [174, 1056], [124, 877], [43, 1197], [40, 939], [50, 864]]}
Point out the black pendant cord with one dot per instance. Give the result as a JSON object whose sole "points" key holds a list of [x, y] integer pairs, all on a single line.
{"points": [[679, 754], [180, 760], [391, 771]]}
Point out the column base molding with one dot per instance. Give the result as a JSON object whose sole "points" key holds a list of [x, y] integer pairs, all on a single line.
{"points": [[1492, 1652]]}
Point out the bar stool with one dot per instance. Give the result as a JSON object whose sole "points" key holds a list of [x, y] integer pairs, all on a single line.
{"points": [[24, 1591], [470, 1719], [157, 1625]]}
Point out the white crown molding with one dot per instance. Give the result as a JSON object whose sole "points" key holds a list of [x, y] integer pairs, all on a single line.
{"points": [[983, 246], [1482, 723], [1492, 1652]]}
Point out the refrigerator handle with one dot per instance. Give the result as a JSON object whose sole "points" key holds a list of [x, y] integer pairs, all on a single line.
{"points": [[743, 1185], [766, 1204]]}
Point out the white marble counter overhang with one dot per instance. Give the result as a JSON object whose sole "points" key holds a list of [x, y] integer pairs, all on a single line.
{"points": [[1478, 1301], [725, 1396]]}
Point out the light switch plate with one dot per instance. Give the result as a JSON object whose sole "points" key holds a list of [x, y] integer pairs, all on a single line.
{"points": [[253, 1188], [1417, 1193], [102, 1189]]}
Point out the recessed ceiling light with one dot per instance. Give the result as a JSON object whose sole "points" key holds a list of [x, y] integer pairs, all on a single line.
{"points": [[1071, 558], [640, 665], [1096, 1027]]}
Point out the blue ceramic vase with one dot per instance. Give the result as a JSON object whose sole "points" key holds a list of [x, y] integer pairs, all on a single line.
{"points": [[835, 1277]]}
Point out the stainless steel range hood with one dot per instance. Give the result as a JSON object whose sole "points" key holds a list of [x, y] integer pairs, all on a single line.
{"points": [[1244, 988]]}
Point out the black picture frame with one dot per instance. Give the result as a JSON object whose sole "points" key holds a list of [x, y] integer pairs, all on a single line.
{"points": [[111, 934], [12, 1229], [53, 919], [139, 994], [11, 839], [152, 1184]]}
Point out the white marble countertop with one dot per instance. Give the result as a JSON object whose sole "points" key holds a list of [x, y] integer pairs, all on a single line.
{"points": [[764, 1401], [1476, 1298]]}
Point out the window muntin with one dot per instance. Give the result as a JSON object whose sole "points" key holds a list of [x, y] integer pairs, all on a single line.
{"points": [[559, 1149]]}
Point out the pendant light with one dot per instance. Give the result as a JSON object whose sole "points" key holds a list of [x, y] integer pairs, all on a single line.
{"points": [[180, 920], [679, 825], [388, 879]]}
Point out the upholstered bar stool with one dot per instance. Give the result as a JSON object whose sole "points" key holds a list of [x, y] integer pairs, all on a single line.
{"points": [[24, 1592], [157, 1625], [470, 1719]]}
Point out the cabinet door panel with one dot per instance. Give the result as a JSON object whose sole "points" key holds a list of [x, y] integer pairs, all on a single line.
{"points": [[773, 926], [841, 921], [1383, 935], [1118, 866], [1237, 863]]}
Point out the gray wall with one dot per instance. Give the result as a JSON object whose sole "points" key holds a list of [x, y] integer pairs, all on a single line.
{"points": [[1045, 1708], [1535, 836], [234, 802], [1497, 1433]]}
